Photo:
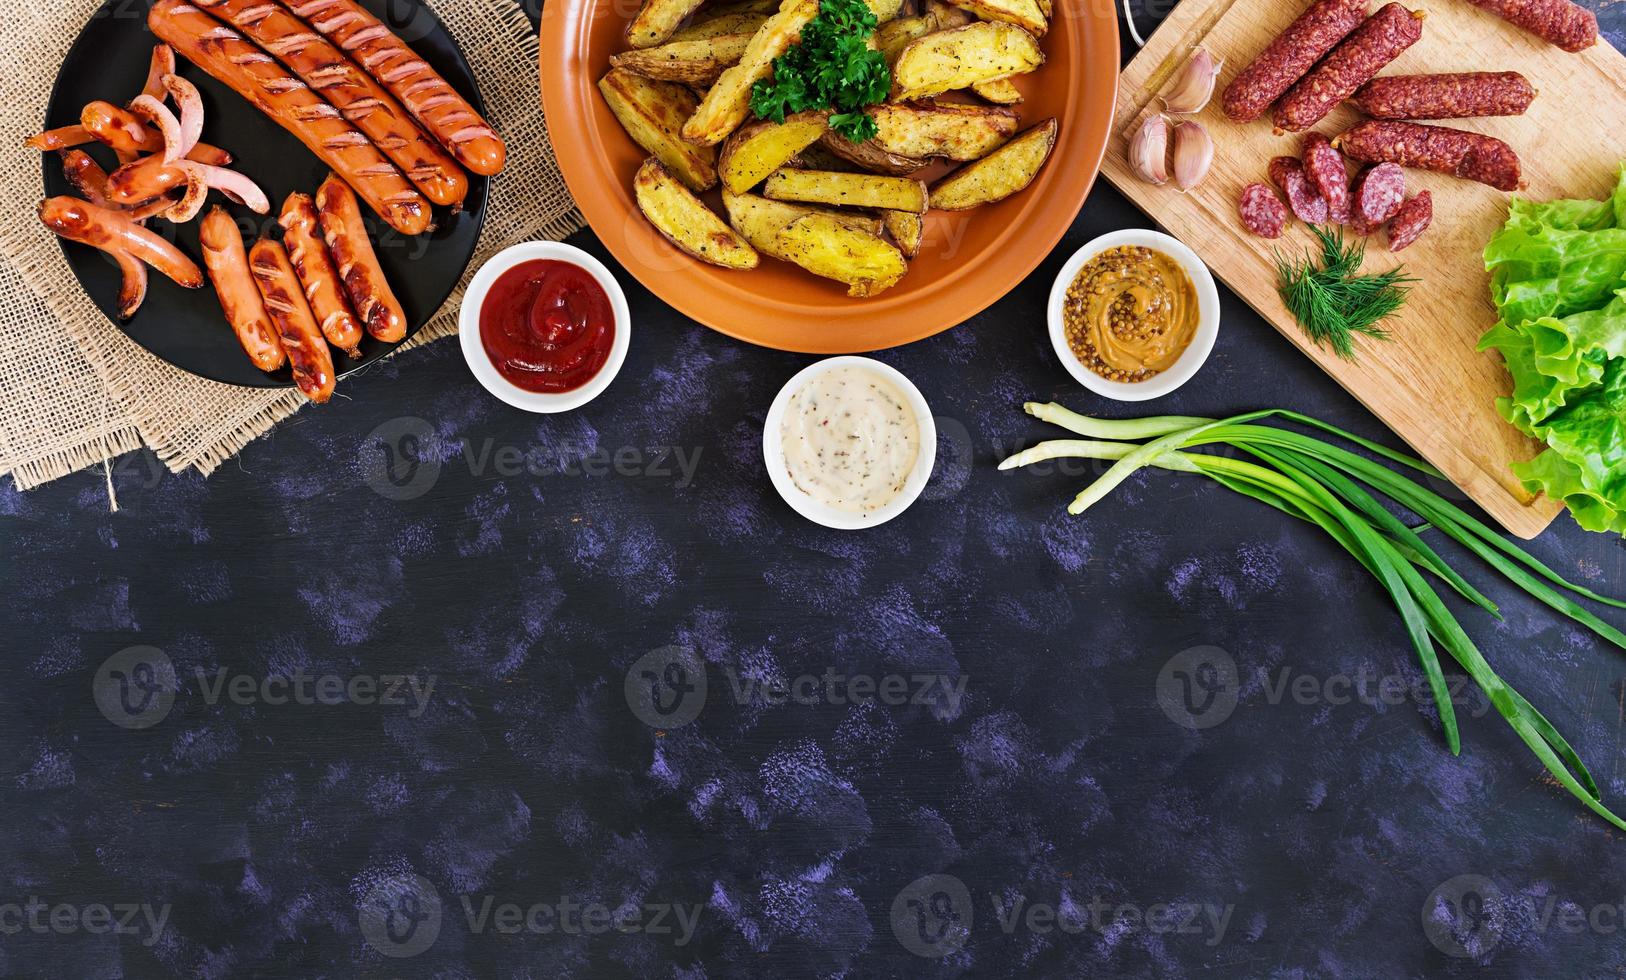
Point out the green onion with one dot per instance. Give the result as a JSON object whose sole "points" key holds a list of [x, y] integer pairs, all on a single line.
{"points": [[1322, 483]]}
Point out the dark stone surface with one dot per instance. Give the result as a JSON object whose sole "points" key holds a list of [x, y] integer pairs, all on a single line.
{"points": [[1315, 832]]}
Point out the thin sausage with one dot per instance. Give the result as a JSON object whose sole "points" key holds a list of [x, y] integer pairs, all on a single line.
{"points": [[227, 262], [1289, 56], [352, 91], [301, 339], [114, 231], [1471, 156], [420, 88], [1411, 221], [86, 176], [61, 138], [255, 75], [302, 237], [132, 285], [1352, 64], [1454, 96], [161, 64], [1568, 25], [123, 131], [363, 277]]}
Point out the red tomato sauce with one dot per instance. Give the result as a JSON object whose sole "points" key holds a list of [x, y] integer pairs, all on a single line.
{"points": [[547, 325]]}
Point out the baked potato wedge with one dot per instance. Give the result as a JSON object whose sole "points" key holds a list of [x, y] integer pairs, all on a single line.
{"points": [[825, 247], [846, 190], [1000, 91], [999, 174], [760, 220], [699, 61], [819, 157], [713, 24], [961, 57], [894, 35], [653, 112], [1026, 14], [869, 156], [728, 102], [942, 129], [684, 221], [757, 149], [906, 229], [657, 20]]}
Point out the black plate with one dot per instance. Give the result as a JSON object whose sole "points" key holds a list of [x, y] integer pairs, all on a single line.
{"points": [[185, 326]]}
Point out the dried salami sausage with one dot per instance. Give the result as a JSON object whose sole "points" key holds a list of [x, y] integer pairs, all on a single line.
{"points": [[1379, 192], [1262, 211], [1411, 221], [1568, 25], [1308, 206], [1324, 168], [1289, 56], [1352, 64], [1471, 156], [1453, 96]]}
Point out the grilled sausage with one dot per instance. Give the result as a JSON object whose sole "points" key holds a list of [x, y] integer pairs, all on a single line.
{"points": [[162, 63], [363, 277], [1453, 96], [86, 176], [1471, 156], [1352, 64], [1568, 25], [61, 138], [352, 91], [1289, 56], [239, 297], [255, 75], [302, 236], [302, 341], [123, 131], [114, 232], [433, 102]]}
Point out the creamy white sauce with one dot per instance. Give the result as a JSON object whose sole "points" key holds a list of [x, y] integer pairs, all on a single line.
{"points": [[850, 439]]}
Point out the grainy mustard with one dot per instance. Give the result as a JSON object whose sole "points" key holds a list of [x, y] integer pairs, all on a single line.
{"points": [[1130, 313]]}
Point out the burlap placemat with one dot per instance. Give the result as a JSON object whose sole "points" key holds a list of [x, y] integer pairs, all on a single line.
{"points": [[76, 390]]}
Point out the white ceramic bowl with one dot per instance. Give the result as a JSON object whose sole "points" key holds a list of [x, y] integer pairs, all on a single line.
{"points": [[773, 452], [1208, 315], [474, 352]]}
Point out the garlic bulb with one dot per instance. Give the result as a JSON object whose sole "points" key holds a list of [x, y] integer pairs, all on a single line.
{"points": [[1149, 148], [1193, 154], [1195, 86]]}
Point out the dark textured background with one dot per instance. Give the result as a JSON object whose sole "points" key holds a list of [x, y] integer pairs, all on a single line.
{"points": [[1321, 829]]}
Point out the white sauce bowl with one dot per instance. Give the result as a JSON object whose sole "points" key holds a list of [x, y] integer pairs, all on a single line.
{"points": [[773, 450], [474, 351], [1196, 353]]}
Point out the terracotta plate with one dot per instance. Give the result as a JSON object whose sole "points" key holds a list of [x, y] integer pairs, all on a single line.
{"points": [[967, 261]]}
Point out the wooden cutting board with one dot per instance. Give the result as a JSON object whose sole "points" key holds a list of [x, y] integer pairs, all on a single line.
{"points": [[1428, 384]]}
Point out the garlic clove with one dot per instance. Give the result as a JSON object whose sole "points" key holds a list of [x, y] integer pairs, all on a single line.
{"points": [[1149, 148], [1195, 85], [1193, 154]]}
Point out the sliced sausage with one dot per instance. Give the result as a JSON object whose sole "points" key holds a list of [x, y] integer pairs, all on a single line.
{"points": [[1411, 221], [1452, 96], [239, 296], [1379, 192], [420, 88], [1471, 156], [1308, 206], [352, 91], [114, 231], [1262, 211], [1285, 60], [302, 341], [363, 278], [1324, 168], [1352, 64], [255, 75], [1568, 25], [302, 236]]}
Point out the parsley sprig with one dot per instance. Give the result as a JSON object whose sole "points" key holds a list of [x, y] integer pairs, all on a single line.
{"points": [[832, 68]]}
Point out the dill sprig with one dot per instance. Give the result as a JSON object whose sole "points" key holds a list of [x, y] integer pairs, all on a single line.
{"points": [[1331, 300]]}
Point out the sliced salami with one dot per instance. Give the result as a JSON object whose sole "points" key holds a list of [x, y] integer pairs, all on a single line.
{"points": [[1379, 192], [1309, 207], [1411, 221], [1262, 211], [1324, 168]]}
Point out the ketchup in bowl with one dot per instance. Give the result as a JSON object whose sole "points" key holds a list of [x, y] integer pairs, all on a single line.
{"points": [[547, 326]]}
